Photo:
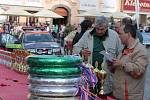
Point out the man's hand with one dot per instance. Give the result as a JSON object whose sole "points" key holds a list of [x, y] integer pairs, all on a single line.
{"points": [[86, 53], [118, 63]]}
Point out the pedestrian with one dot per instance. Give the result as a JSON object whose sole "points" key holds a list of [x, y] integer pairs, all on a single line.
{"points": [[85, 25], [98, 39], [68, 40], [117, 26], [128, 20], [129, 67]]}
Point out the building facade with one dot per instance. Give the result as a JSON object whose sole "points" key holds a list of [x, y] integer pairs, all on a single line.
{"points": [[129, 6], [69, 9], [66, 8]]}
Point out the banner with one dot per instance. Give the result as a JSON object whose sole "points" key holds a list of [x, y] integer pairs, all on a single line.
{"points": [[129, 5]]}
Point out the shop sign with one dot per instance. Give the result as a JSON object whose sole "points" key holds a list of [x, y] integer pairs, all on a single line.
{"points": [[129, 5], [88, 5]]}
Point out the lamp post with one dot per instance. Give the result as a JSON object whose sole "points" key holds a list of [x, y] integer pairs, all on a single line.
{"points": [[137, 10]]}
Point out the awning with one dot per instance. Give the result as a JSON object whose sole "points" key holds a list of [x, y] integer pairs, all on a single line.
{"points": [[45, 13], [119, 14], [133, 12], [92, 14], [15, 12]]}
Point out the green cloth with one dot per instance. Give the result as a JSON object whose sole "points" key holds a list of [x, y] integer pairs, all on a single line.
{"points": [[97, 47], [56, 28]]}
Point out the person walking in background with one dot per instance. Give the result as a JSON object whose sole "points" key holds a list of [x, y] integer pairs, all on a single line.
{"points": [[117, 26], [128, 20], [96, 40], [68, 40], [72, 34], [129, 67], [85, 25]]}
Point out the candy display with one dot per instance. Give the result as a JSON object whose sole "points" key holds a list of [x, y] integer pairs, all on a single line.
{"points": [[15, 60], [54, 77]]}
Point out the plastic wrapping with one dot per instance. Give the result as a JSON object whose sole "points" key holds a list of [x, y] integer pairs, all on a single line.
{"points": [[54, 71], [55, 81], [33, 97], [57, 91], [41, 60], [55, 76]]}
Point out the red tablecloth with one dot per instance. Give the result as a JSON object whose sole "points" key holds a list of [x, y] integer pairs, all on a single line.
{"points": [[13, 86]]}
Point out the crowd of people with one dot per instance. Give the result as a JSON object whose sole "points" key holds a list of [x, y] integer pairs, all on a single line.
{"points": [[15, 29], [126, 72]]}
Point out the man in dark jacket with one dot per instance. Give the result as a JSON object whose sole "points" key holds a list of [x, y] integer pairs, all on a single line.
{"points": [[85, 25]]}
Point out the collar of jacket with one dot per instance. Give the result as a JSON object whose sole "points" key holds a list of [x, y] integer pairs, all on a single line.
{"points": [[94, 31], [127, 50]]}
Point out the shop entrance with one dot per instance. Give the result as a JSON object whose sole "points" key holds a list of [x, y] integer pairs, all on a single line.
{"points": [[63, 12]]}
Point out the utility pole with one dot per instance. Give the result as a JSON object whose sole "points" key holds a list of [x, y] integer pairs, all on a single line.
{"points": [[137, 10]]}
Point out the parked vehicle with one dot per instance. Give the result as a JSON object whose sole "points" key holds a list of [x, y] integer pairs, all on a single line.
{"points": [[39, 42]]}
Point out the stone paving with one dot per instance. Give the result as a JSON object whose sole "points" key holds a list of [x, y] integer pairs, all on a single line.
{"points": [[147, 84], [147, 81]]}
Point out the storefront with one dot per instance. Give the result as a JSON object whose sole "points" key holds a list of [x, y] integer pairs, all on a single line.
{"points": [[65, 8], [63, 12], [128, 6]]}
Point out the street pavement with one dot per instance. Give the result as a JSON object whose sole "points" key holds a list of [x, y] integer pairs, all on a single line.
{"points": [[148, 51], [147, 81]]}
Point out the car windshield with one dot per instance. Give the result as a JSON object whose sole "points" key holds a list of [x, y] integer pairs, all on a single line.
{"points": [[38, 38]]}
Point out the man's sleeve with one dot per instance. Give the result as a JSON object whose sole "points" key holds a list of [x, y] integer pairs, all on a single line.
{"points": [[81, 44]]}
